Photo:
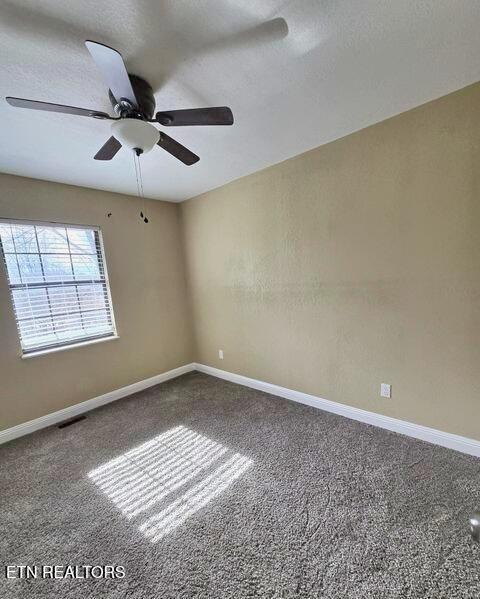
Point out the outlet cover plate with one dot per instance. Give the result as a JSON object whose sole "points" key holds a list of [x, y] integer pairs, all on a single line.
{"points": [[386, 390]]}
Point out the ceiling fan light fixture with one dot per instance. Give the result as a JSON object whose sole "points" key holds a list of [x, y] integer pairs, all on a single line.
{"points": [[134, 133], [134, 105]]}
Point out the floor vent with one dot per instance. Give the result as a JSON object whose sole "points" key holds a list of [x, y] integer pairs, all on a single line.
{"points": [[71, 421]]}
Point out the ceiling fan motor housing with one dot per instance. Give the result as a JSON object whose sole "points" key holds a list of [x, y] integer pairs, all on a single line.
{"points": [[143, 94]]}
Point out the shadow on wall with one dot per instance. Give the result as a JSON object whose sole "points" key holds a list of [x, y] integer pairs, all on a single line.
{"points": [[154, 475]]}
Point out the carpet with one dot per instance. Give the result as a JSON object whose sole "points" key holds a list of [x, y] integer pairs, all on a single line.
{"points": [[200, 488]]}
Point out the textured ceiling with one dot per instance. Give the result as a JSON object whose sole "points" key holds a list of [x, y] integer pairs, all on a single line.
{"points": [[296, 74]]}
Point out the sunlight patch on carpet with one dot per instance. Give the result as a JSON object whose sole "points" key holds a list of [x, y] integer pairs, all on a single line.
{"points": [[153, 474]]}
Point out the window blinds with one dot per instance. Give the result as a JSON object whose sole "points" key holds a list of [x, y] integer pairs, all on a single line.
{"points": [[58, 283]]}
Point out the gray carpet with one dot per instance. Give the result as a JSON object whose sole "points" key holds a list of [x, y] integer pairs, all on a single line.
{"points": [[203, 488]]}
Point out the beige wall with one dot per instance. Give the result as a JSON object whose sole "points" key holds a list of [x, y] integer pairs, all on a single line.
{"points": [[353, 264], [147, 280]]}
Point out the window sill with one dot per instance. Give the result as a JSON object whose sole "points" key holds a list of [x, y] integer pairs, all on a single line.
{"points": [[53, 350]]}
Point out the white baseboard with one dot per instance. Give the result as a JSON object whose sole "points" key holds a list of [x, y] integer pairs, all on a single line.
{"points": [[417, 431], [85, 406]]}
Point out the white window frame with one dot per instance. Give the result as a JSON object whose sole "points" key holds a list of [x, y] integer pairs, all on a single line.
{"points": [[69, 344]]}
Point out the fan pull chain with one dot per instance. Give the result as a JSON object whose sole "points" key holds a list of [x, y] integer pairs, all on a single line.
{"points": [[141, 187], [138, 176]]}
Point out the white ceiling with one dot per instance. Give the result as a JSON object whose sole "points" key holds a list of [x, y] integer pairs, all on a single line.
{"points": [[340, 66]]}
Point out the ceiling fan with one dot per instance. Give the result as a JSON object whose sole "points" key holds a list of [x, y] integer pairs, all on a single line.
{"points": [[133, 103]]}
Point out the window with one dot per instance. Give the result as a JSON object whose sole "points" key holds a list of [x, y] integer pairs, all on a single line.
{"points": [[58, 283]]}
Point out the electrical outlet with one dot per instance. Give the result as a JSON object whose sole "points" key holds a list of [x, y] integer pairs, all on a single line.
{"points": [[386, 390], [220, 354]]}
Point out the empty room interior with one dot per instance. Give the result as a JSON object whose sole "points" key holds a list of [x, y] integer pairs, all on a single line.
{"points": [[240, 299]]}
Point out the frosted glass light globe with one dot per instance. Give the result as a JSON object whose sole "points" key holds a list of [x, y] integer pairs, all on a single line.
{"points": [[134, 133]]}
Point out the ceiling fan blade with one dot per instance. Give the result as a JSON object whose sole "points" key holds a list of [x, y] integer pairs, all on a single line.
{"points": [[35, 105], [111, 65], [108, 150], [220, 115], [176, 149]]}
